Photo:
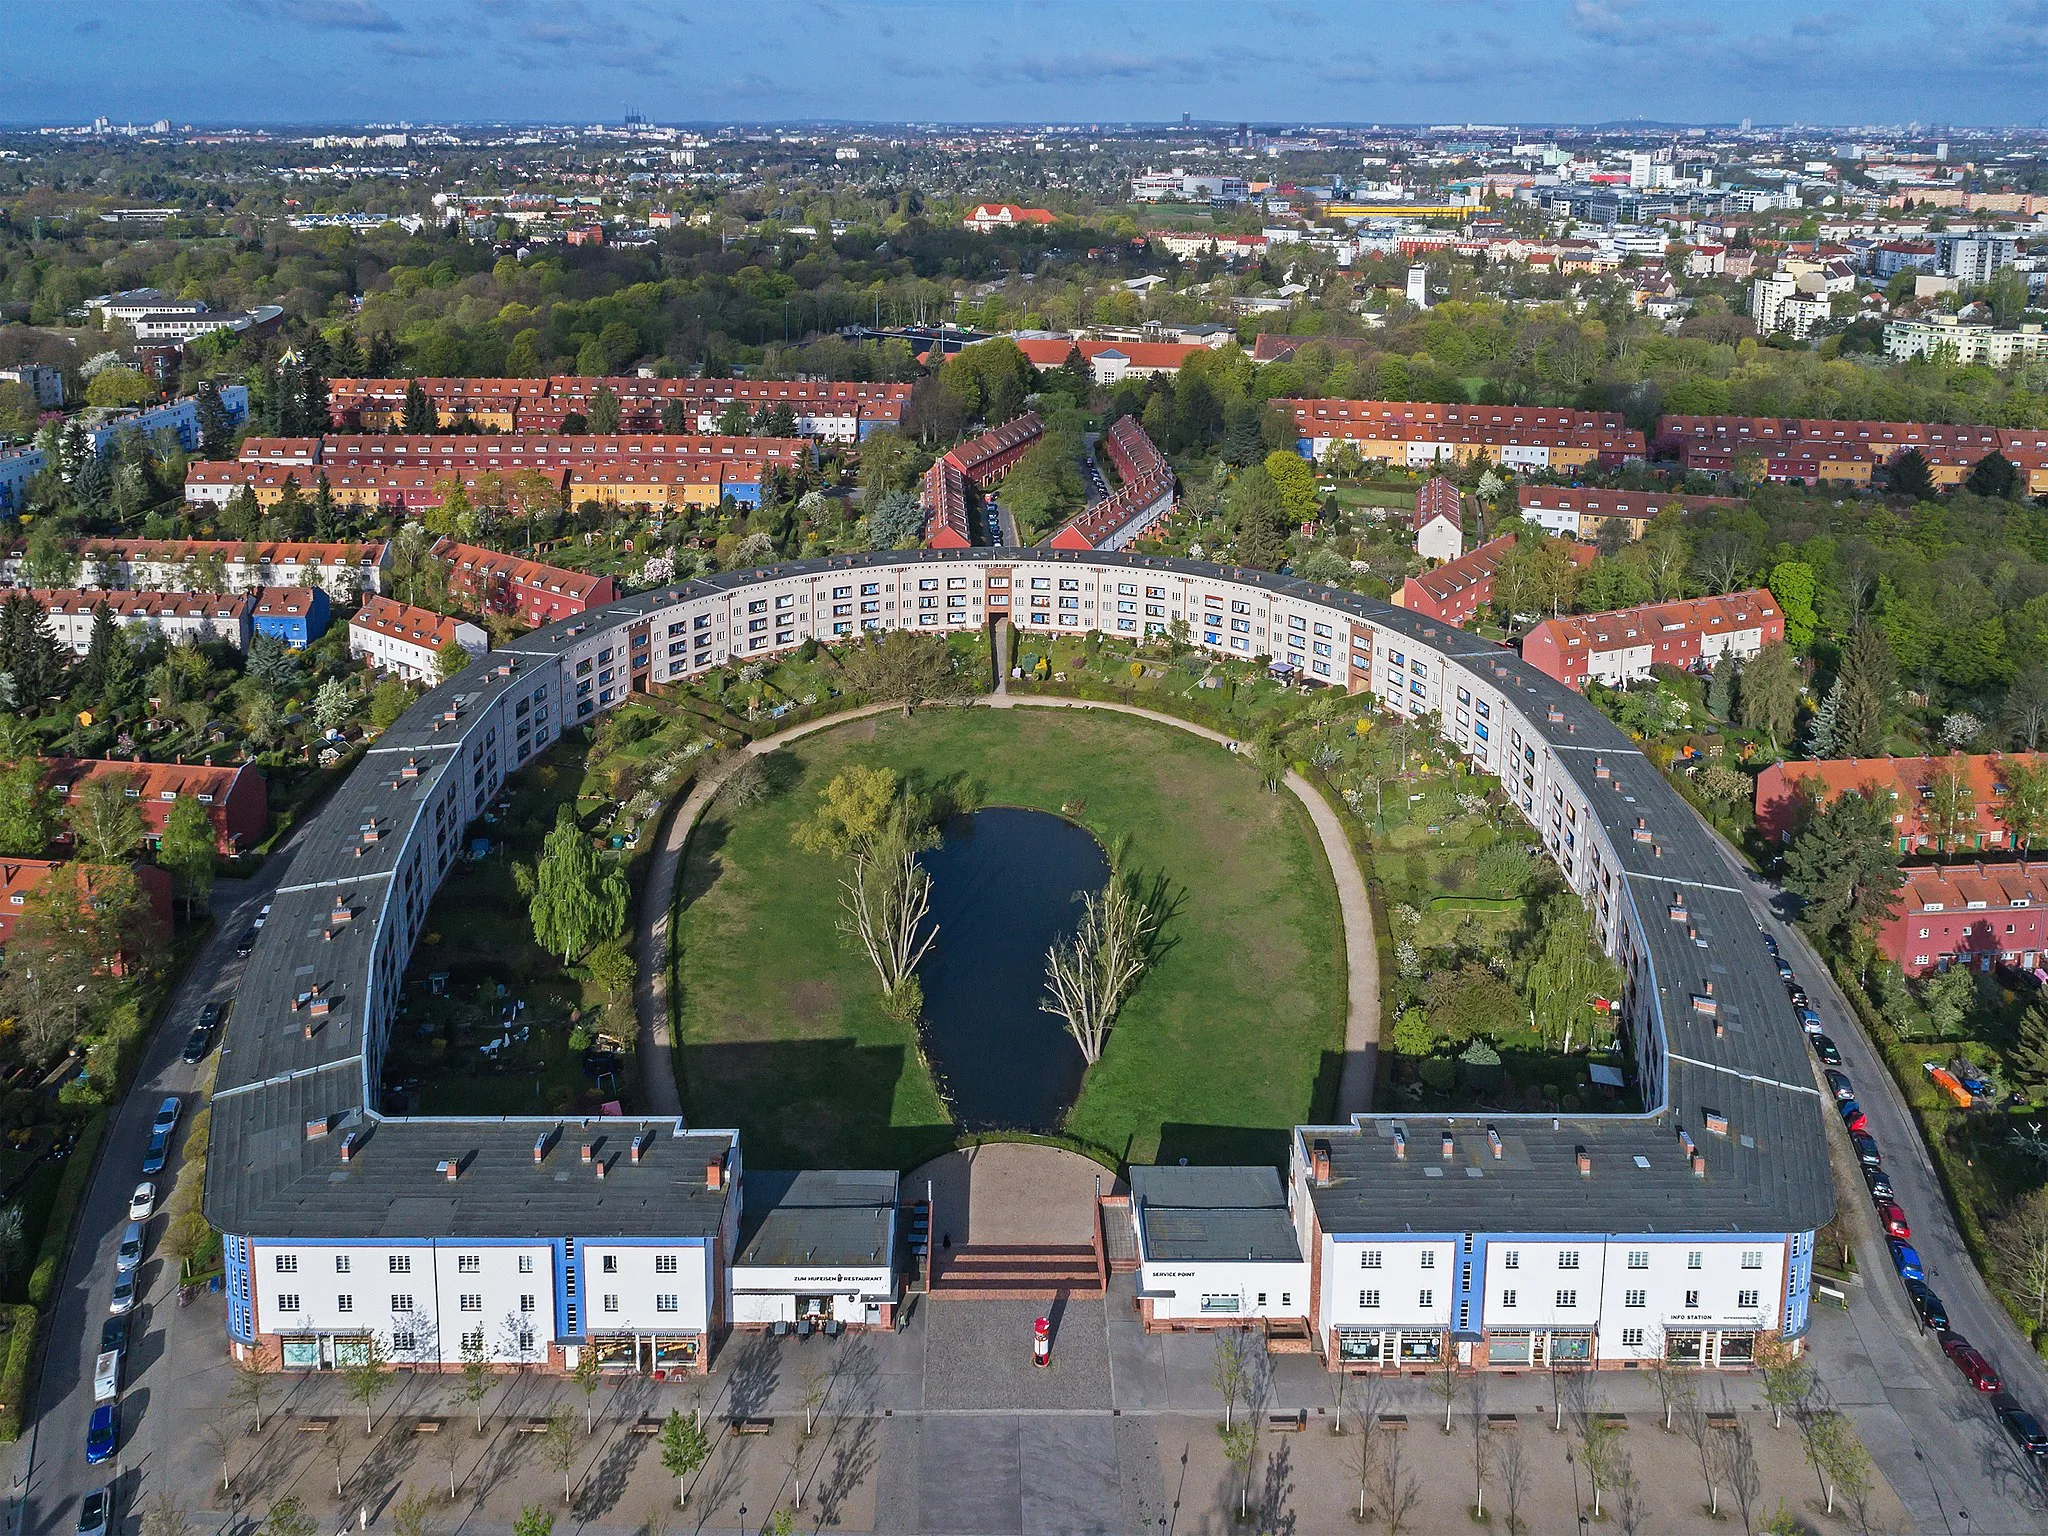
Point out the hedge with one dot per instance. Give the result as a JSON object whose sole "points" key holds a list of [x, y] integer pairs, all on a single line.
{"points": [[14, 1382], [42, 1281]]}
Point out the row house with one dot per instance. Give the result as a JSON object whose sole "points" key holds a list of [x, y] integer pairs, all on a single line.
{"points": [[1979, 915], [830, 411], [1817, 449], [1418, 434], [1622, 646], [538, 451], [234, 797], [1583, 511], [1121, 518], [1973, 785], [1439, 520], [231, 565], [397, 637], [987, 457], [944, 494], [296, 615], [1109, 361], [529, 590], [202, 617], [1456, 591], [21, 878]]}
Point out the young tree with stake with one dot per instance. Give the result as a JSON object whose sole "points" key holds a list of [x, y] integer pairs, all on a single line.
{"points": [[684, 1448]]}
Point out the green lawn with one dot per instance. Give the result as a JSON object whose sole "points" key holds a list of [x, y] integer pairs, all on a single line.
{"points": [[1233, 1037]]}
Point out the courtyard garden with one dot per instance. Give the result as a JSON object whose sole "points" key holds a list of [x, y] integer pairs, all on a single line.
{"points": [[1234, 1036]]}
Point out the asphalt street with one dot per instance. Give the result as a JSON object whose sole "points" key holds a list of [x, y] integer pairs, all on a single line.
{"points": [[51, 1474], [1933, 1434]]}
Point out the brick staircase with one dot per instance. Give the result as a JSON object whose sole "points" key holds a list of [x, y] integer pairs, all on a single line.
{"points": [[1021, 1271]]}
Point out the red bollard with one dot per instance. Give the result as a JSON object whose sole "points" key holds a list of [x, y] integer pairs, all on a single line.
{"points": [[1041, 1343]]}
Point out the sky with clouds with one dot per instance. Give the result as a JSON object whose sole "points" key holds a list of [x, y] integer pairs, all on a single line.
{"points": [[1272, 61]]}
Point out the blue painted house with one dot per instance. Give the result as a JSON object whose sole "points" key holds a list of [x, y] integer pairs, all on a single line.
{"points": [[295, 615]]}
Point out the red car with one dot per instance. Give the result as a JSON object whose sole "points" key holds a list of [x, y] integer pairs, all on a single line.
{"points": [[1894, 1219], [1974, 1366], [1854, 1118]]}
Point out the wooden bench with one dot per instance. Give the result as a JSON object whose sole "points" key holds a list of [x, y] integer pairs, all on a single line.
{"points": [[753, 1426], [317, 1425], [428, 1426], [1287, 1423], [1720, 1420], [1503, 1420], [531, 1427], [647, 1425], [1613, 1420], [1393, 1421]]}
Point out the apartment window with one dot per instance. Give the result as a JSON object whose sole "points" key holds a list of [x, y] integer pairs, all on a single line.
{"points": [[664, 1303], [611, 1303], [1639, 1258], [664, 1263], [401, 1302], [1370, 1259], [401, 1263], [341, 1263], [344, 1303], [288, 1301], [1746, 1300], [1692, 1300], [1425, 1299], [1369, 1301], [1507, 1298], [611, 1264], [1631, 1338], [526, 1341], [1692, 1259], [1428, 1259], [526, 1303], [472, 1301], [1637, 1299], [287, 1263], [404, 1342], [474, 1341], [1567, 1299], [1752, 1258], [469, 1263], [1512, 1259], [526, 1263], [1568, 1258]]}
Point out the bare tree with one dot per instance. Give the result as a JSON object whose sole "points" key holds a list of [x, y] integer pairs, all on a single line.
{"points": [[1482, 1451], [1088, 977], [817, 1387], [223, 1431], [1513, 1475], [1230, 1368], [1736, 1452], [1445, 1384], [1240, 1445], [886, 900], [796, 1470], [451, 1452], [1674, 1383], [1631, 1506], [558, 1449], [1397, 1490], [2019, 1252], [166, 1516], [248, 1387], [1365, 1456], [1788, 1379], [1697, 1427]]}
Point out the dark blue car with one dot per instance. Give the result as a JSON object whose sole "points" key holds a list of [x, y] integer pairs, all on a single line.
{"points": [[1905, 1260], [103, 1434], [159, 1149]]}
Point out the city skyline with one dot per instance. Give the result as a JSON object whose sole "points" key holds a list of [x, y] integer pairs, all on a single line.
{"points": [[897, 61]]}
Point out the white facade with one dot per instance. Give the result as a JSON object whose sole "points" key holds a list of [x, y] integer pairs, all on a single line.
{"points": [[1389, 1301], [415, 660], [1904, 339], [1213, 1291], [764, 1293], [647, 1288], [1439, 540]]}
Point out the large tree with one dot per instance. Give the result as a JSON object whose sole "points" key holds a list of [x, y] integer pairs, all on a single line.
{"points": [[1869, 676], [576, 896], [2022, 807], [1844, 868], [104, 819], [186, 849], [1768, 699]]}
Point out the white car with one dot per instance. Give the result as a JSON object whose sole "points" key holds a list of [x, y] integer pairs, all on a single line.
{"points": [[142, 1204], [123, 1300]]}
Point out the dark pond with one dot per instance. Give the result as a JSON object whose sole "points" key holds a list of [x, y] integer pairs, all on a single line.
{"points": [[1005, 885]]}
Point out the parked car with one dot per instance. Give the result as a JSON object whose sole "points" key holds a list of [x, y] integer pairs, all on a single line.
{"points": [[1799, 998], [1785, 973], [106, 1376], [1880, 1186], [2021, 1425], [1905, 1260], [96, 1514], [123, 1300], [103, 1434], [114, 1334], [1852, 1115], [1975, 1368], [1893, 1217], [142, 1204], [1824, 1048], [167, 1115], [130, 1253], [158, 1154], [246, 943], [1866, 1149], [196, 1045], [1770, 942], [1927, 1305], [1809, 1021], [1839, 1083], [263, 916]]}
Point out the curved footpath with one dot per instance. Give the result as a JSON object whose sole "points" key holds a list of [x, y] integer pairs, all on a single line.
{"points": [[650, 993]]}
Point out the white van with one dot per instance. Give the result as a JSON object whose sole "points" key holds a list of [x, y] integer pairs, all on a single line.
{"points": [[106, 1376]]}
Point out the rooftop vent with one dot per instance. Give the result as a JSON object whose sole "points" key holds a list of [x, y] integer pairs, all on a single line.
{"points": [[641, 1143], [315, 1129], [544, 1143], [349, 1144]]}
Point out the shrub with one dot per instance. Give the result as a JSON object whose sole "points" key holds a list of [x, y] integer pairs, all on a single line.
{"points": [[42, 1281], [14, 1382]]}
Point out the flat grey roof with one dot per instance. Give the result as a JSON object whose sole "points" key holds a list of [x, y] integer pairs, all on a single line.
{"points": [[817, 1216], [1213, 1213]]}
